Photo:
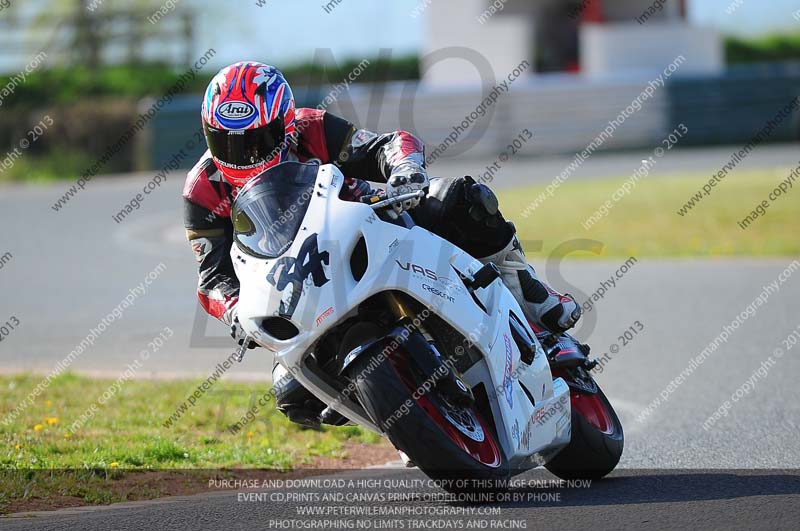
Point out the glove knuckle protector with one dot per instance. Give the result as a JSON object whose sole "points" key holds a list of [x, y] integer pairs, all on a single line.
{"points": [[466, 213]]}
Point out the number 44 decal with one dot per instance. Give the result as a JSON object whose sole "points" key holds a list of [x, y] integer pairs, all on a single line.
{"points": [[295, 271]]}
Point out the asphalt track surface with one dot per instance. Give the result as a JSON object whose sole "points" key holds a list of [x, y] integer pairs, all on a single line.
{"points": [[71, 268], [651, 499]]}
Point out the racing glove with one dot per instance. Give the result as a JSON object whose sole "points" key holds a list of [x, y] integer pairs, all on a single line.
{"points": [[238, 333], [407, 179]]}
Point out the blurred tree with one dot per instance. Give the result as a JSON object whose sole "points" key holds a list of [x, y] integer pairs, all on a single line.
{"points": [[88, 42], [768, 48], [89, 32]]}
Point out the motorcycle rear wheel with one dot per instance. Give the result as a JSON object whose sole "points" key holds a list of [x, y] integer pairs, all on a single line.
{"points": [[597, 439]]}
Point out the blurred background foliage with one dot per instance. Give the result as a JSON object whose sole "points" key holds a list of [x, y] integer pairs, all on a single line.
{"points": [[92, 106], [103, 62], [68, 84], [762, 49]]}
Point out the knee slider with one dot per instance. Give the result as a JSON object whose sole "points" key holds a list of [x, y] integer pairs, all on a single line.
{"points": [[482, 203], [465, 213]]}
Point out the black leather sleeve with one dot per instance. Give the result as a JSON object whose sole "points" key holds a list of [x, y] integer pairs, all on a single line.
{"points": [[211, 238], [362, 154]]}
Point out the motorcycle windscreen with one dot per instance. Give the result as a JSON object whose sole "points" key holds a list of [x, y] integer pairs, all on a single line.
{"points": [[269, 210]]}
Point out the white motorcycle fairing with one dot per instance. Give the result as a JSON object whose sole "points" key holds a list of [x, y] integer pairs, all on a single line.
{"points": [[289, 302]]}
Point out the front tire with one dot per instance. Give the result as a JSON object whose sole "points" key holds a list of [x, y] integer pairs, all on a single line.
{"points": [[447, 442]]}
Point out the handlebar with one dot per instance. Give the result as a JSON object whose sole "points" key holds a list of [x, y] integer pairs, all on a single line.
{"points": [[419, 194]]}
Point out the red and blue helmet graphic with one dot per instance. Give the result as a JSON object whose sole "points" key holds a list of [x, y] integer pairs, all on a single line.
{"points": [[243, 103]]}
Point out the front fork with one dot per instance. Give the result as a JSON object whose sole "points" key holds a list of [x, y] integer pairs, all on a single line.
{"points": [[423, 352]]}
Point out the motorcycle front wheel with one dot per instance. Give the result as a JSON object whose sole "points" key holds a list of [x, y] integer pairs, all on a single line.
{"points": [[447, 442]]}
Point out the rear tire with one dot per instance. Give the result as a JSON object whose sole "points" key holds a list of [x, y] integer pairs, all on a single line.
{"points": [[597, 443], [419, 426]]}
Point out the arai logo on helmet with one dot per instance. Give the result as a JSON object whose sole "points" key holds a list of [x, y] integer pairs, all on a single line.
{"points": [[236, 110], [236, 114]]}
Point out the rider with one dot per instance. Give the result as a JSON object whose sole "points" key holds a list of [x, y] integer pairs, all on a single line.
{"points": [[251, 124]]}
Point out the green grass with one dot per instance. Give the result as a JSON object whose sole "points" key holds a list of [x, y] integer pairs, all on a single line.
{"points": [[126, 434], [52, 166], [645, 222]]}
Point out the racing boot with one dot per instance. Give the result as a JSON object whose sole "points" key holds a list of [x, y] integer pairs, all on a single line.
{"points": [[295, 401], [544, 307]]}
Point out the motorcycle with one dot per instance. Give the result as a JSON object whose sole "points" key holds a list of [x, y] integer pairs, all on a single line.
{"points": [[399, 331]]}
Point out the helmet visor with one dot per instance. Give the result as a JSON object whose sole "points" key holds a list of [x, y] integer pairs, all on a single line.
{"points": [[268, 213], [246, 148]]}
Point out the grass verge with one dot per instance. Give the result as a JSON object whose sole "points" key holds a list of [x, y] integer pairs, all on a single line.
{"points": [[117, 454], [645, 222]]}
